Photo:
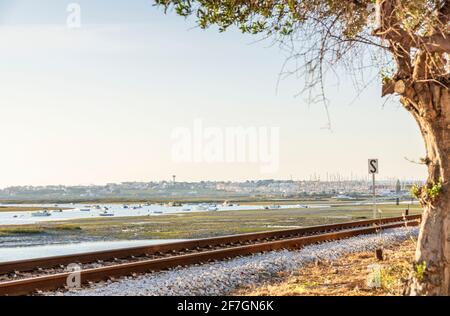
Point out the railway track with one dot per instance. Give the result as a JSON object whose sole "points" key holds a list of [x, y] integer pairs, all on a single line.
{"points": [[45, 274]]}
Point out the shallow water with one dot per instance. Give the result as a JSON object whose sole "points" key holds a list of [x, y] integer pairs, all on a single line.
{"points": [[21, 253], [133, 210], [21, 218]]}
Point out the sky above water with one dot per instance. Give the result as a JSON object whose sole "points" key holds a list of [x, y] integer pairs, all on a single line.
{"points": [[99, 103]]}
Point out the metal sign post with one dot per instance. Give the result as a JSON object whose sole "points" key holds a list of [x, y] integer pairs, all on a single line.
{"points": [[373, 170]]}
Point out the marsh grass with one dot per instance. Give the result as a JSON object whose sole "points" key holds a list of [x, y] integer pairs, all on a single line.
{"points": [[36, 229], [208, 224]]}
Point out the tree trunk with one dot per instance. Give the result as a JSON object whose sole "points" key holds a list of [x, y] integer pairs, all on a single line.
{"points": [[433, 252], [430, 105]]}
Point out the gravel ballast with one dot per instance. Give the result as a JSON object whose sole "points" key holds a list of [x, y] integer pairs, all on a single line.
{"points": [[220, 278]]}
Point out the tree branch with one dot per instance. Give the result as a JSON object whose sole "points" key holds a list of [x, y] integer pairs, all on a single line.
{"points": [[437, 43], [389, 28]]}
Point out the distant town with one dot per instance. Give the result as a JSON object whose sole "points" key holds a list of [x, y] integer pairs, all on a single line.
{"points": [[345, 189]]}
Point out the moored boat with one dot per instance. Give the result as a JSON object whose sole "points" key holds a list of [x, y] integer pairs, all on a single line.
{"points": [[106, 214], [201, 207], [43, 213]]}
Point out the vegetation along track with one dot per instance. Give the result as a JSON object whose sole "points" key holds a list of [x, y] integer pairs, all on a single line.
{"points": [[44, 274]]}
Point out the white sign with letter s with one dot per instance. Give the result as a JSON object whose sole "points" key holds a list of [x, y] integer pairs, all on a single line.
{"points": [[373, 166]]}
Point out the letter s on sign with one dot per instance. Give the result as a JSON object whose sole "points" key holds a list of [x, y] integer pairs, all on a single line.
{"points": [[373, 166]]}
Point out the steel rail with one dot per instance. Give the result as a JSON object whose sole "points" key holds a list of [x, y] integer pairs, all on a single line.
{"points": [[59, 281], [90, 257]]}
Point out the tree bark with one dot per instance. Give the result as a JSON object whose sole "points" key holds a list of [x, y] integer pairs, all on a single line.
{"points": [[429, 102]]}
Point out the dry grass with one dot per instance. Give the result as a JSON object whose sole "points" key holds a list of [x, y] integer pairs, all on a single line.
{"points": [[349, 276]]}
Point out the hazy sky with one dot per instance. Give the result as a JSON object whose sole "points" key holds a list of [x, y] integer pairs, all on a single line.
{"points": [[100, 103]]}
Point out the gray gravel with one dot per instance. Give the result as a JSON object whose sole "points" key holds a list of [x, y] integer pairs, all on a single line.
{"points": [[220, 278]]}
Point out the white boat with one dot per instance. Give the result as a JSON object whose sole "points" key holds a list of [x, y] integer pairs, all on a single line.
{"points": [[157, 212], [44, 213], [201, 207], [272, 207], [213, 208], [83, 209], [172, 204], [106, 214]]}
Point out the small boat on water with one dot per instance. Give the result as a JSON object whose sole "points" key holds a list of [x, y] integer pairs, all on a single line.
{"points": [[43, 213], [106, 214], [201, 207], [157, 212], [173, 204], [186, 209], [83, 209], [213, 208], [272, 207]]}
